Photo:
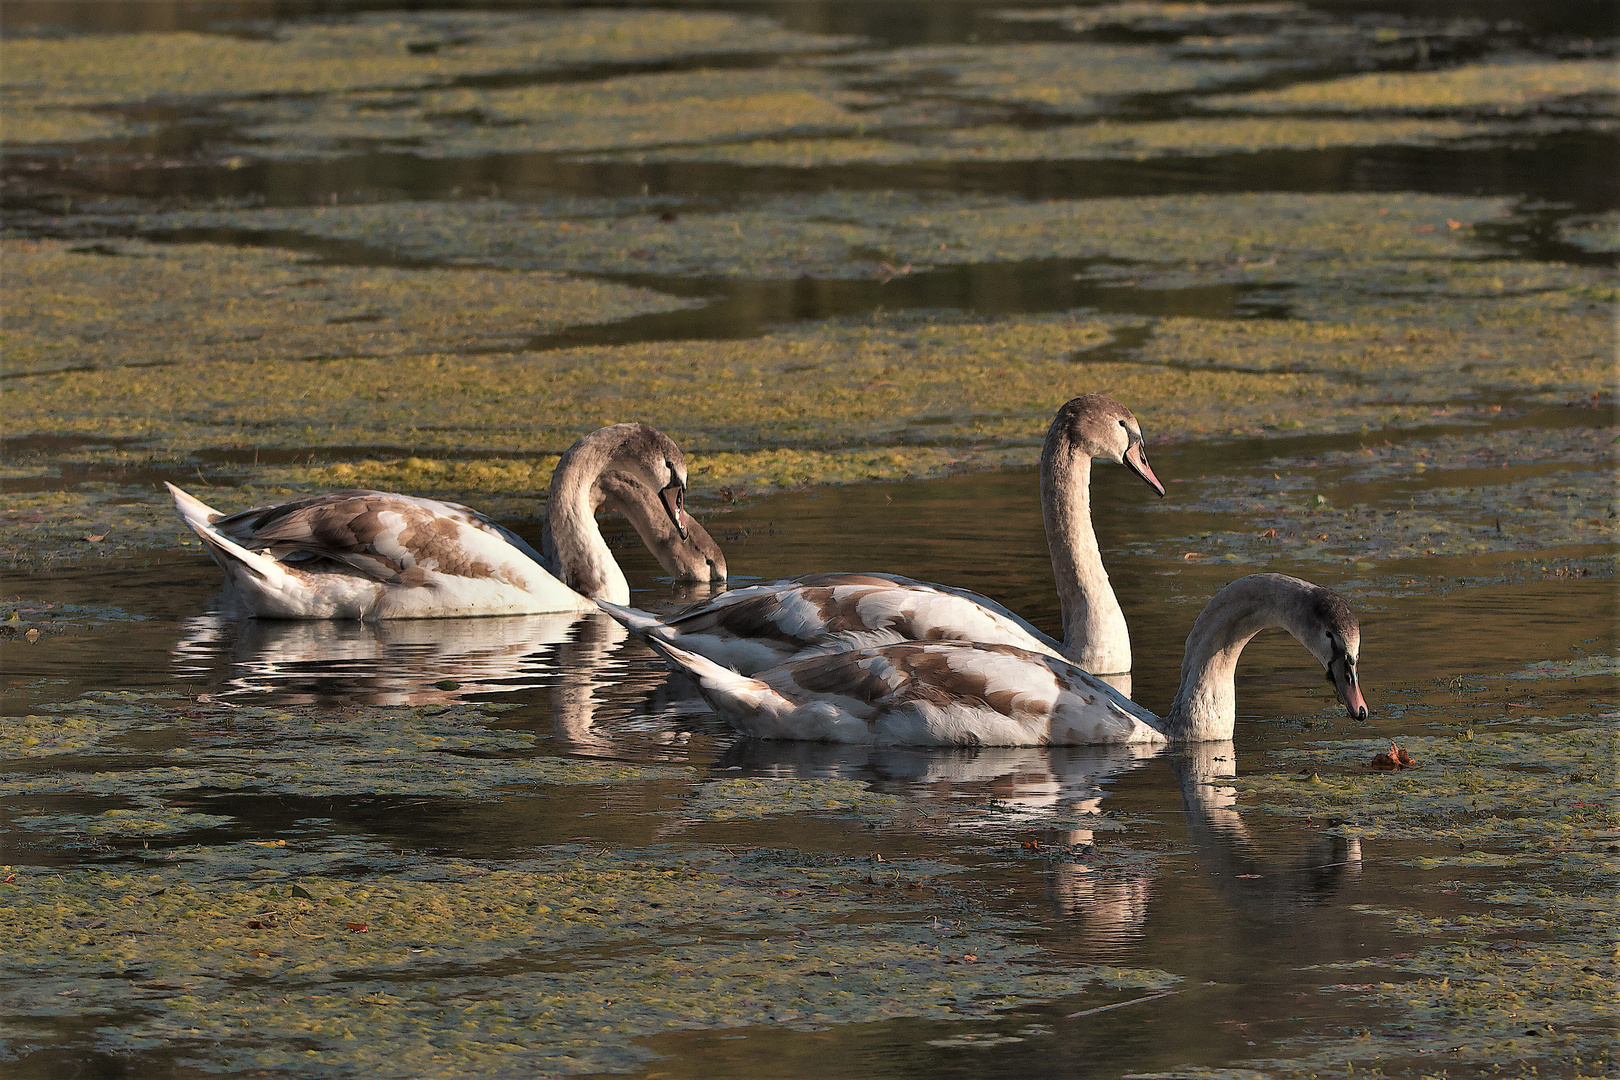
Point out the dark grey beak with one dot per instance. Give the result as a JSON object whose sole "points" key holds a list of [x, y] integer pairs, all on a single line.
{"points": [[1136, 460], [674, 500], [1342, 674]]}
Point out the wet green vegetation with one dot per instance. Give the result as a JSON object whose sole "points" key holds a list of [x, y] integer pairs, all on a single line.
{"points": [[1100, 140], [425, 251], [883, 235], [462, 966], [1581, 87], [1395, 300], [392, 50], [615, 114], [1519, 974], [1476, 495], [115, 304]]}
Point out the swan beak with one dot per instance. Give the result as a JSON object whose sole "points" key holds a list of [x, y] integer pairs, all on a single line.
{"points": [[674, 500], [1342, 673], [1136, 459]]}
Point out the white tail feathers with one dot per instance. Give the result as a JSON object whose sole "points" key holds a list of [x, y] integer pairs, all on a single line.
{"points": [[193, 510], [230, 555], [715, 681], [644, 624]]}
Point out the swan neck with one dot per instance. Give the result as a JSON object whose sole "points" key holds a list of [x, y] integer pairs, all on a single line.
{"points": [[1205, 706], [1094, 633], [571, 540]]}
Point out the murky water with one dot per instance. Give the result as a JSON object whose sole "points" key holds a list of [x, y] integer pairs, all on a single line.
{"points": [[515, 846]]}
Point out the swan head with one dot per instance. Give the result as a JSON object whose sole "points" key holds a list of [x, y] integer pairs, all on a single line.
{"points": [[1097, 426], [1333, 635], [640, 455]]}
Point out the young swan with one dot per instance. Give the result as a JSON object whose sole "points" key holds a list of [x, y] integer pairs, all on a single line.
{"points": [[763, 626], [966, 694], [374, 555]]}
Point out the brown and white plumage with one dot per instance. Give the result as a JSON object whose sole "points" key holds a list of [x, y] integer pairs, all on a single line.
{"points": [[948, 693], [374, 555], [757, 627]]}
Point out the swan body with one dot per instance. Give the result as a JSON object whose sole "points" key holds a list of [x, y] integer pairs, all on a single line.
{"points": [[374, 555], [764, 625], [949, 693]]}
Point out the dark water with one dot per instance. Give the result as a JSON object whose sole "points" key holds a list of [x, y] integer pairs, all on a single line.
{"points": [[1238, 903]]}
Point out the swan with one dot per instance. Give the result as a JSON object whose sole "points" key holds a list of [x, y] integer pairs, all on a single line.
{"points": [[373, 555], [762, 626], [952, 693]]}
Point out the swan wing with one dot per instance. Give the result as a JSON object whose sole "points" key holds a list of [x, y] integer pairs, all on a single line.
{"points": [[385, 537], [761, 625], [956, 694]]}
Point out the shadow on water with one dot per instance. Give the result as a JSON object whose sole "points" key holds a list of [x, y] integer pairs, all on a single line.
{"points": [[1568, 168]]}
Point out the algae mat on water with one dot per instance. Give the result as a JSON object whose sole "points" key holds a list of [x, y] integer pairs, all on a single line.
{"points": [[884, 234], [1517, 969], [306, 952], [118, 303], [1102, 140]]}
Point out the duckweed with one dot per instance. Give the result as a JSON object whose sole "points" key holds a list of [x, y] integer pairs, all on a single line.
{"points": [[131, 302], [386, 50], [1576, 86], [758, 797], [1530, 790], [1102, 140], [622, 113], [1066, 78], [418, 750], [854, 234], [468, 969], [30, 126]]}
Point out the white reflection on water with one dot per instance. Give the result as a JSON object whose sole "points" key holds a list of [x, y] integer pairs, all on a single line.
{"points": [[398, 662]]}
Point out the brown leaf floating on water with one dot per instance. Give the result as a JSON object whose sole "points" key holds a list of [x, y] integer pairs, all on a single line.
{"points": [[1396, 758]]}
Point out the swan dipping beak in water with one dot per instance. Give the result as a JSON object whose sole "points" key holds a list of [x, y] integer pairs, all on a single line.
{"points": [[954, 693]]}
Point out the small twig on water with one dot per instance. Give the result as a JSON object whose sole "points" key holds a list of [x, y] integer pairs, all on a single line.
{"points": [[1122, 1004]]}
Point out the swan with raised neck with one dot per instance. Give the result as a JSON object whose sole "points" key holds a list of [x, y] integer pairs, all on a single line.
{"points": [[363, 554], [761, 626], [952, 693], [1095, 636]]}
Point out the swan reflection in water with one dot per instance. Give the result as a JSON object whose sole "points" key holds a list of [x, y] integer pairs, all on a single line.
{"points": [[604, 706], [395, 662], [575, 658]]}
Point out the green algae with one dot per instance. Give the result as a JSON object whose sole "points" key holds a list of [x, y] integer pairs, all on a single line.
{"points": [[403, 50], [1397, 311], [614, 114], [1531, 789], [1151, 16], [1515, 1003], [147, 821], [415, 750], [1474, 494], [1534, 800], [1066, 78], [1580, 668], [560, 963], [1581, 87], [759, 797], [1103, 140], [131, 302], [884, 234], [26, 126], [1596, 232]]}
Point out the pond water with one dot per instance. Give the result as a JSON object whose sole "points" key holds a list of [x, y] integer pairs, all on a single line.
{"points": [[516, 846]]}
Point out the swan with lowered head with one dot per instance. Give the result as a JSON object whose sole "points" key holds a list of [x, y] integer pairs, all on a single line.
{"points": [[762, 626], [950, 693], [374, 555]]}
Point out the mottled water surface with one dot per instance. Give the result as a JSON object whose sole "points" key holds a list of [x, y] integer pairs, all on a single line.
{"points": [[1351, 265]]}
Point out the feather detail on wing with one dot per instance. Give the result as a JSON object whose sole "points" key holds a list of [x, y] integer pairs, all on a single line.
{"points": [[823, 613], [388, 538]]}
